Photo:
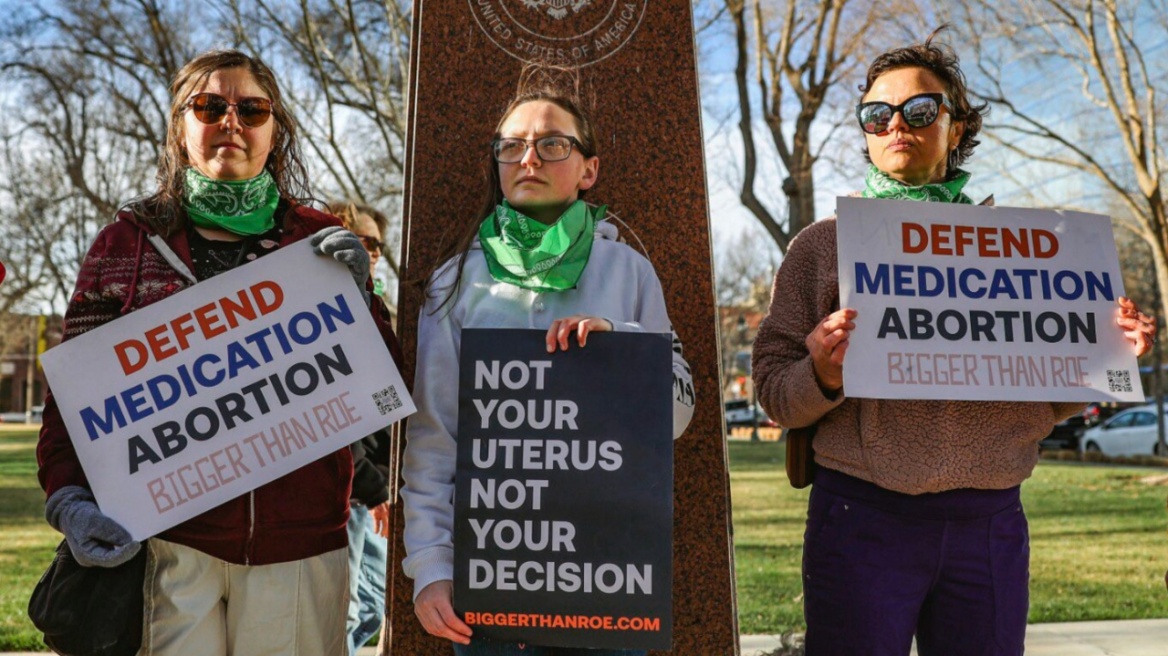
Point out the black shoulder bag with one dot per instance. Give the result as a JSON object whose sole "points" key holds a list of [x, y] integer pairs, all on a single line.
{"points": [[90, 611]]}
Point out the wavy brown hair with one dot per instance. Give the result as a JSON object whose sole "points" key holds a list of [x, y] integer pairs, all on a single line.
{"points": [[559, 85], [162, 210], [940, 60]]}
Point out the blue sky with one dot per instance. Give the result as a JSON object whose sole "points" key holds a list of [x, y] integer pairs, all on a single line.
{"points": [[1050, 92], [1048, 88]]}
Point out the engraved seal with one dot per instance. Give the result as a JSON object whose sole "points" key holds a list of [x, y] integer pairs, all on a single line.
{"points": [[571, 32]]}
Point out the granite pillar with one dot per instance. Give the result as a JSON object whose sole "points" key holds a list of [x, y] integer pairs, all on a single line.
{"points": [[638, 59]]}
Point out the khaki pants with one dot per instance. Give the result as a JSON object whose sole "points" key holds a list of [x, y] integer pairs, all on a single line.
{"points": [[198, 605]]}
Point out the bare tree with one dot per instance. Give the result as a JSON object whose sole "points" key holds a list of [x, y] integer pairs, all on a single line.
{"points": [[351, 58], [1135, 261], [800, 52], [745, 265], [84, 135], [1077, 87]]}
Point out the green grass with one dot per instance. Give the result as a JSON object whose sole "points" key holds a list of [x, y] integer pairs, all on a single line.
{"points": [[768, 538], [1098, 548], [28, 543], [1098, 541]]}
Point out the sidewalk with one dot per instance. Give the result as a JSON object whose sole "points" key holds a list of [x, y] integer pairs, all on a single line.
{"points": [[1115, 638]]}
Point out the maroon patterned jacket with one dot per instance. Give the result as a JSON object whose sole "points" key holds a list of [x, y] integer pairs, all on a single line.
{"points": [[300, 515]]}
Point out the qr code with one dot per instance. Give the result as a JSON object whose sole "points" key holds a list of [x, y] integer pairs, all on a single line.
{"points": [[1119, 380], [387, 400]]}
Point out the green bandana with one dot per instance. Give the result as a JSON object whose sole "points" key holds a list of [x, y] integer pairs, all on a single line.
{"points": [[538, 257], [877, 184], [245, 207]]}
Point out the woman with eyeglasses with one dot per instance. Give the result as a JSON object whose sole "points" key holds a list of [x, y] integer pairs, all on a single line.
{"points": [[264, 573], [915, 525], [536, 256]]}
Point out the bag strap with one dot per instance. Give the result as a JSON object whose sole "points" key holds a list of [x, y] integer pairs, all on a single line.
{"points": [[800, 456], [172, 258]]}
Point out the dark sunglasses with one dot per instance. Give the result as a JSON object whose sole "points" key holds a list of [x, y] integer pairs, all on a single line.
{"points": [[553, 148], [371, 244], [920, 111], [210, 108]]}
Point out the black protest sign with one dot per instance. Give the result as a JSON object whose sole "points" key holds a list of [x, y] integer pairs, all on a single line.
{"points": [[564, 492]]}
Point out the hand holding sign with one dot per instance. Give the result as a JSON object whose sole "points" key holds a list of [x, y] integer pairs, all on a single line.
{"points": [[94, 539], [1139, 328], [827, 345], [582, 325], [436, 613]]}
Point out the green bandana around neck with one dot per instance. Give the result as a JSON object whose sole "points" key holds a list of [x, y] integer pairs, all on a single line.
{"points": [[244, 207], [538, 257], [878, 184]]}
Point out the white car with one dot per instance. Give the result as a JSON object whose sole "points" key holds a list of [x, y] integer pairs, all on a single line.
{"points": [[20, 417], [738, 414], [1129, 433]]}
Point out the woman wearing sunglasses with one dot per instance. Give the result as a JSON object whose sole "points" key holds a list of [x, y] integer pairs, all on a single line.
{"points": [[265, 572], [536, 256], [915, 526]]}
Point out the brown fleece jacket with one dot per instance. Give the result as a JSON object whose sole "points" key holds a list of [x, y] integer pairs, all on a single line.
{"points": [[906, 446]]}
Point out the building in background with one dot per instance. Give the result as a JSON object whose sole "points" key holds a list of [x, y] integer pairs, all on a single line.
{"points": [[23, 338]]}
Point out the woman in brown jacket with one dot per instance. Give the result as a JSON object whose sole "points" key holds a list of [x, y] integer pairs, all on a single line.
{"points": [[915, 526]]}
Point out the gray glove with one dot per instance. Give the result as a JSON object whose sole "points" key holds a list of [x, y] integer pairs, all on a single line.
{"points": [[94, 539], [345, 248]]}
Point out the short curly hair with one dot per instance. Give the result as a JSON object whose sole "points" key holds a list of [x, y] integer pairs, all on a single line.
{"points": [[940, 60]]}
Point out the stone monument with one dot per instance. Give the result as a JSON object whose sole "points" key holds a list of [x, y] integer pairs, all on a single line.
{"points": [[638, 58]]}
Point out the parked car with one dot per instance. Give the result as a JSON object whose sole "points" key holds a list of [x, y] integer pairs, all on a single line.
{"points": [[1068, 433], [1065, 434], [1132, 432], [738, 414], [1096, 413]]}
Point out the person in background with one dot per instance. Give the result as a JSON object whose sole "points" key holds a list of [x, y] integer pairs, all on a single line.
{"points": [[369, 507], [267, 572], [915, 523], [370, 225]]}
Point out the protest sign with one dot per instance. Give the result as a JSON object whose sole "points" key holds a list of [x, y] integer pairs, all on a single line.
{"points": [[564, 490], [232, 383], [963, 302]]}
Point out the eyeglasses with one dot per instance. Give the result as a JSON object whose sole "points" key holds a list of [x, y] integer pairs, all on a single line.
{"points": [[371, 244], [210, 108], [553, 148], [920, 111]]}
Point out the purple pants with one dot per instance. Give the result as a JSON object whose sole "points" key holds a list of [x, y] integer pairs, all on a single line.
{"points": [[880, 566]]}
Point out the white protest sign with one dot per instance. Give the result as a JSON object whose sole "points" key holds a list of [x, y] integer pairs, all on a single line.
{"points": [[210, 393], [963, 302]]}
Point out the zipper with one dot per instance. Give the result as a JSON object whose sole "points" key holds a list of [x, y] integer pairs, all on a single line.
{"points": [[250, 528]]}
